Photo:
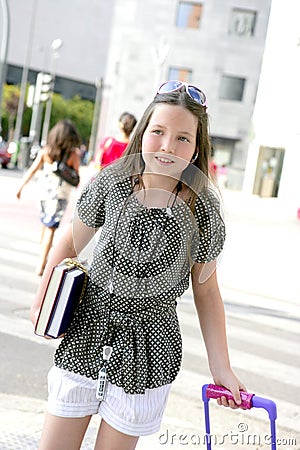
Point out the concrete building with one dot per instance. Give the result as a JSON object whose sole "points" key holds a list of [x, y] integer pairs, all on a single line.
{"points": [[217, 45], [273, 162], [134, 45], [84, 28]]}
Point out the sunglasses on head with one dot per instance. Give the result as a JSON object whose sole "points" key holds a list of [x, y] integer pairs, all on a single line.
{"points": [[175, 85]]}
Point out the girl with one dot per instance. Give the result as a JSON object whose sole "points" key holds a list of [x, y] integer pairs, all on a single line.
{"points": [[63, 140], [160, 223]]}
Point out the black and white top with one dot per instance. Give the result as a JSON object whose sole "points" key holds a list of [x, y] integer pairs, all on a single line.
{"points": [[141, 265]]}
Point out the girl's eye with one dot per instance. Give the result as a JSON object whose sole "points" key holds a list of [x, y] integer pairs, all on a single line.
{"points": [[156, 131], [183, 139]]}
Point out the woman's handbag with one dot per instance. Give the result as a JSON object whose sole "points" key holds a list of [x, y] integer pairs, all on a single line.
{"points": [[65, 172]]}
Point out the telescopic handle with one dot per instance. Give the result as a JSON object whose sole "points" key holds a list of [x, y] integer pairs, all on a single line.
{"points": [[214, 391], [248, 400]]}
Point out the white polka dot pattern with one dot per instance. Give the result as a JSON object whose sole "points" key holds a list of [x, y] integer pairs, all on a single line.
{"points": [[141, 265]]}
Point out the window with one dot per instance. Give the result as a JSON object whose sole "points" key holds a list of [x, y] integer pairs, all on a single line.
{"points": [[268, 171], [232, 88], [242, 22], [223, 149], [181, 74], [189, 14]]}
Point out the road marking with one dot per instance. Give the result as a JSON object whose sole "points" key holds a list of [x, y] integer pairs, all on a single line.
{"points": [[22, 328], [254, 337]]}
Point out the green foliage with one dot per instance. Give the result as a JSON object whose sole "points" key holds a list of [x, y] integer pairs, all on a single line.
{"points": [[76, 109], [9, 109], [11, 98]]}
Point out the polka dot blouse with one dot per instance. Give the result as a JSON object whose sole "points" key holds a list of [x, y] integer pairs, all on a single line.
{"points": [[141, 266]]}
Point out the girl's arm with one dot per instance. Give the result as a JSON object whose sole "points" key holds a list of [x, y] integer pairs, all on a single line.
{"points": [[104, 144], [35, 166], [70, 244], [210, 310]]}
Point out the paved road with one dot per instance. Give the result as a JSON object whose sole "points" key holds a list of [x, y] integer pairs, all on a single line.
{"points": [[263, 333]]}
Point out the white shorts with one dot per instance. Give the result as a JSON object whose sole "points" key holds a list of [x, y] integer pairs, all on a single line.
{"points": [[73, 395]]}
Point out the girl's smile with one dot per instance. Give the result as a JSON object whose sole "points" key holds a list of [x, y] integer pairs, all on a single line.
{"points": [[164, 161]]}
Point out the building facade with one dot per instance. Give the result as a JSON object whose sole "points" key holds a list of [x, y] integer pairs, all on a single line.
{"points": [[84, 29], [216, 44], [273, 162], [134, 45]]}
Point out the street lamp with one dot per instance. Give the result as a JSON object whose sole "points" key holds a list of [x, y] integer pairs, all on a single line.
{"points": [[159, 55], [55, 46], [99, 86], [18, 127], [3, 50]]}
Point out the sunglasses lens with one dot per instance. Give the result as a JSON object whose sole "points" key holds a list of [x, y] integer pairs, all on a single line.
{"points": [[193, 91], [169, 86], [197, 95]]}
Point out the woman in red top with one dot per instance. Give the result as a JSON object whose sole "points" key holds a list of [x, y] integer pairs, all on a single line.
{"points": [[110, 148]]}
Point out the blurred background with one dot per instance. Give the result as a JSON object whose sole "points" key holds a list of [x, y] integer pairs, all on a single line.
{"points": [[90, 63]]}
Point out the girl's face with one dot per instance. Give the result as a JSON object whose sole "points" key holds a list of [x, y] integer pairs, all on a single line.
{"points": [[169, 141]]}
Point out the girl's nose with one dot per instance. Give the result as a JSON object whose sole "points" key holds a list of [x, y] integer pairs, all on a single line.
{"points": [[168, 146]]}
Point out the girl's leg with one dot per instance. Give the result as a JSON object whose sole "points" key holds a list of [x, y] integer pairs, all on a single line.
{"points": [[61, 433], [42, 233], [110, 439], [46, 244]]}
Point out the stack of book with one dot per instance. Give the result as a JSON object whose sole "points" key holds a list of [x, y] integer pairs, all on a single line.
{"points": [[63, 294]]}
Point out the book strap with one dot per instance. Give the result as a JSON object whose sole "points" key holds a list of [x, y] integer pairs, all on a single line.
{"points": [[73, 263]]}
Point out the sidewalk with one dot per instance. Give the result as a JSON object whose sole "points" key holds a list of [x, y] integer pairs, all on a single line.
{"points": [[261, 256]]}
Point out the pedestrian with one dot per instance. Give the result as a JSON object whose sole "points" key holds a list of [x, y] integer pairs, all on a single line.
{"points": [[212, 164], [222, 173], [83, 154], [161, 223], [111, 148], [63, 141]]}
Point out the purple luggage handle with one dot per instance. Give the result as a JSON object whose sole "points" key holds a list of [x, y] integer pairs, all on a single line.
{"points": [[248, 401]]}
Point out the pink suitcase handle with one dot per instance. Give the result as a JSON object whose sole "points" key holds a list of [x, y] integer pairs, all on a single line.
{"points": [[248, 401], [213, 391]]}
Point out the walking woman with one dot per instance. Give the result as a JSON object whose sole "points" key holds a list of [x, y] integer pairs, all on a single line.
{"points": [[54, 193]]}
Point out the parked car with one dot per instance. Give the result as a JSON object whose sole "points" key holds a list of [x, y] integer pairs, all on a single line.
{"points": [[4, 154]]}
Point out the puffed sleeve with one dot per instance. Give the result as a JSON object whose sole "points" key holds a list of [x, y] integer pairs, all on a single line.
{"points": [[91, 203], [210, 228]]}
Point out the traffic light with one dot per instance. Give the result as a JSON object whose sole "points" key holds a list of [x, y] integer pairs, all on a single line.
{"points": [[43, 87], [42, 93], [47, 87]]}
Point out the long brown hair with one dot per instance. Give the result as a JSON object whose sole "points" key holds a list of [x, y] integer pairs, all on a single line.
{"points": [[196, 175], [62, 138]]}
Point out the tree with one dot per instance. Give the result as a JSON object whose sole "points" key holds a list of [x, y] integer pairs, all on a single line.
{"points": [[76, 109], [10, 107]]}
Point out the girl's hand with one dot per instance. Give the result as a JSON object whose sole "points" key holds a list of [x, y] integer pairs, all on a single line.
{"points": [[231, 382]]}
